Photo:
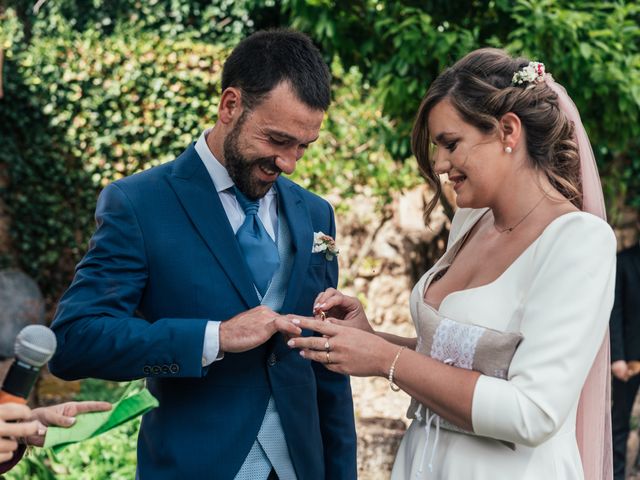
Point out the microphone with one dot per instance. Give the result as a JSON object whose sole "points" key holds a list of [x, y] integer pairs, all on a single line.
{"points": [[34, 346]]}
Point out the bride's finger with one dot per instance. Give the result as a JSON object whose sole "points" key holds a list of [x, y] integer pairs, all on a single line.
{"points": [[333, 301], [323, 297], [327, 358], [311, 343]]}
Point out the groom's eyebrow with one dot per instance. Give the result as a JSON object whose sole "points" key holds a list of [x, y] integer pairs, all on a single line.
{"points": [[288, 137]]}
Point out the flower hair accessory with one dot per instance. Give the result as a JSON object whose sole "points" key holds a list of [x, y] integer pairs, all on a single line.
{"points": [[324, 243], [532, 73]]}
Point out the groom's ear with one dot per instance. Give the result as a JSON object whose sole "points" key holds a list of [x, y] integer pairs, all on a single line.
{"points": [[230, 106]]}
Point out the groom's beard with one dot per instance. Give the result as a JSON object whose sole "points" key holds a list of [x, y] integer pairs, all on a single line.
{"points": [[241, 169]]}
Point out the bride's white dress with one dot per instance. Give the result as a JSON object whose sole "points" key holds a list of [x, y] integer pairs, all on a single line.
{"points": [[558, 293]]}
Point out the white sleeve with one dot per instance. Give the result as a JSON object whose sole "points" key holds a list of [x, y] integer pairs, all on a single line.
{"points": [[211, 349], [565, 316]]}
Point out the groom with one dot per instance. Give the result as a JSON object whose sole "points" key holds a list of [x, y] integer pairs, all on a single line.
{"points": [[186, 273]]}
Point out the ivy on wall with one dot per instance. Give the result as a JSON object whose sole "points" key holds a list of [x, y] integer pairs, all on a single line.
{"points": [[77, 115], [48, 192]]}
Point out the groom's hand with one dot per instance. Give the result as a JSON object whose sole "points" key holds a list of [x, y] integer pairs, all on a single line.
{"points": [[252, 328]]}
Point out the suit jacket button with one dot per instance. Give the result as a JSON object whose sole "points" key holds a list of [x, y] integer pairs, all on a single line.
{"points": [[146, 370], [174, 368], [272, 359], [165, 369], [156, 370]]}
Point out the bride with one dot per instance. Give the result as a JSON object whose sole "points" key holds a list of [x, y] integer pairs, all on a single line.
{"points": [[508, 372]]}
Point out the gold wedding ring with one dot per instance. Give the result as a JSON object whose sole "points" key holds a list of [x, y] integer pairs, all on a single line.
{"points": [[327, 347], [323, 316], [328, 358]]}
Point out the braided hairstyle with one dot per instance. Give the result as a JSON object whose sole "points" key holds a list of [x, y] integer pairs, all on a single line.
{"points": [[479, 87]]}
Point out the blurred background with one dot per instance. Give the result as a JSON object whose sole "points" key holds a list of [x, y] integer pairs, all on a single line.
{"points": [[94, 90]]}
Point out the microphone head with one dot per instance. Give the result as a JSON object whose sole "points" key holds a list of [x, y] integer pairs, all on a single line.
{"points": [[35, 345]]}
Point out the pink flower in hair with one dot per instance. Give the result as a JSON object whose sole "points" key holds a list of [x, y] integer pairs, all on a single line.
{"points": [[532, 73]]}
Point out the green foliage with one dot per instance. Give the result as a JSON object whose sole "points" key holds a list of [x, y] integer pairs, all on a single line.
{"points": [[10, 28], [222, 21], [399, 47], [81, 112], [48, 195], [593, 48], [125, 102], [108, 456], [350, 156]]}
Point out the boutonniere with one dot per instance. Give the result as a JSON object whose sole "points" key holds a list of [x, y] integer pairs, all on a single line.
{"points": [[324, 243]]}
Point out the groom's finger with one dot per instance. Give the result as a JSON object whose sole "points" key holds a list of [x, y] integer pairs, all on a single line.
{"points": [[288, 326], [326, 328]]}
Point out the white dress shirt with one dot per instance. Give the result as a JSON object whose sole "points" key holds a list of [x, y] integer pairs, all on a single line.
{"points": [[267, 212]]}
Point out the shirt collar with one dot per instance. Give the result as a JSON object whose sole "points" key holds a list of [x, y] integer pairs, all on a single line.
{"points": [[218, 173]]}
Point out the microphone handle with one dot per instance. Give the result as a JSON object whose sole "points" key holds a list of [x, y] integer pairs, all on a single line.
{"points": [[8, 398], [18, 382]]}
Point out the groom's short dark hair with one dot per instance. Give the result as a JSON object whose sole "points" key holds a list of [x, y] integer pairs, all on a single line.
{"points": [[262, 61]]}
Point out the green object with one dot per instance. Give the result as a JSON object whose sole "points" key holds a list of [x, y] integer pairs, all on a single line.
{"points": [[90, 425]]}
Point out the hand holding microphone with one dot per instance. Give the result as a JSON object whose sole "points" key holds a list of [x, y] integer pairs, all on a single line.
{"points": [[10, 413], [34, 346]]}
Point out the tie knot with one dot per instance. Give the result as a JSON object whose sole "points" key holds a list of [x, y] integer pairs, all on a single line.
{"points": [[250, 207]]}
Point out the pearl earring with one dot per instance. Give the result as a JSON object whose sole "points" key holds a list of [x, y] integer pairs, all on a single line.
{"points": [[508, 149]]}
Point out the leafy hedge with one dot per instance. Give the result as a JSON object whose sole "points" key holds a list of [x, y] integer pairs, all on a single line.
{"points": [[78, 114], [110, 456], [592, 48]]}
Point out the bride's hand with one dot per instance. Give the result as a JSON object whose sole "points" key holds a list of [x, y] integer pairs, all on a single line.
{"points": [[344, 349], [348, 310]]}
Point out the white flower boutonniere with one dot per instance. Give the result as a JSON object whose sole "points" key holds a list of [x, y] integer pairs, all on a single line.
{"points": [[324, 243]]}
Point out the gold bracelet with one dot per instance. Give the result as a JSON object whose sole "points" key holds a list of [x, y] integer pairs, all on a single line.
{"points": [[392, 385]]}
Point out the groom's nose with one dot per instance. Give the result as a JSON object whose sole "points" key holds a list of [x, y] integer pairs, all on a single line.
{"points": [[286, 162]]}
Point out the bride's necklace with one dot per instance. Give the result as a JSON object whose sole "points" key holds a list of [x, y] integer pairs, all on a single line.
{"points": [[510, 229]]}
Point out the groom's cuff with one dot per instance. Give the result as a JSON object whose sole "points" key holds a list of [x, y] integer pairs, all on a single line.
{"points": [[211, 351]]}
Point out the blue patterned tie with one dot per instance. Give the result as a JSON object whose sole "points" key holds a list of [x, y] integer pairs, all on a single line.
{"points": [[259, 250]]}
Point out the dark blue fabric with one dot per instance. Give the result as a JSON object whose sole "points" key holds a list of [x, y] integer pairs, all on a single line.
{"points": [[259, 250], [163, 261]]}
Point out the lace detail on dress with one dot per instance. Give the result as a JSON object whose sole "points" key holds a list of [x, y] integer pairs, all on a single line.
{"points": [[455, 343]]}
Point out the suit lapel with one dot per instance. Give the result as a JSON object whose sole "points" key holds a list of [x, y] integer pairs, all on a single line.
{"points": [[295, 213], [197, 194]]}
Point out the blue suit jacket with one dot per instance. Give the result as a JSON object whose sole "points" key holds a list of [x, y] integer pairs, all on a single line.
{"points": [[162, 262]]}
